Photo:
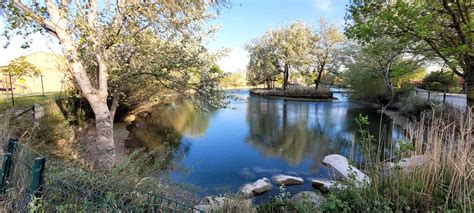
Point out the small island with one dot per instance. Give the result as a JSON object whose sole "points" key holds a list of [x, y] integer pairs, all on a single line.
{"points": [[295, 92]]}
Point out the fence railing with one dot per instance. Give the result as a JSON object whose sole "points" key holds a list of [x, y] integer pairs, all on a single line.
{"points": [[455, 100], [24, 170]]}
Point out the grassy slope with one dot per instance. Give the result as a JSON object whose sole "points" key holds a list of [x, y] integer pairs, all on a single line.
{"points": [[25, 101]]}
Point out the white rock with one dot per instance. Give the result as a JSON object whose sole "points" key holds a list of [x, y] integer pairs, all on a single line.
{"points": [[287, 180], [212, 204], [387, 167], [408, 164], [213, 201], [308, 197], [204, 208], [258, 187], [340, 165], [38, 112], [323, 184]]}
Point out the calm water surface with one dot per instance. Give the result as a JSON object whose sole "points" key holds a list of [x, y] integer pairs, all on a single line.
{"points": [[256, 137]]}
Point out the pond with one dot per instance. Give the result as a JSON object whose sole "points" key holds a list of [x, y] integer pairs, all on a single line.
{"points": [[220, 150]]}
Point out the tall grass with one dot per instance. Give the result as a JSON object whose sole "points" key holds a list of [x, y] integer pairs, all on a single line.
{"points": [[440, 180]]}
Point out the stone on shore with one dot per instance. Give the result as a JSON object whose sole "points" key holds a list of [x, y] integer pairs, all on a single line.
{"points": [[324, 184], [256, 188], [220, 204], [340, 166], [204, 208], [308, 198], [38, 112], [213, 201], [408, 164], [287, 180]]}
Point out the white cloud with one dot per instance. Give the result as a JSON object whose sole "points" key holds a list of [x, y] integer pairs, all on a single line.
{"points": [[41, 43], [323, 5], [236, 60]]}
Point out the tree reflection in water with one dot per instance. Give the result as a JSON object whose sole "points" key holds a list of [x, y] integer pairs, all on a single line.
{"points": [[295, 130], [163, 131]]}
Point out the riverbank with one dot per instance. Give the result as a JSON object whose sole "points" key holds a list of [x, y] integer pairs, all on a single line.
{"points": [[396, 116], [294, 92]]}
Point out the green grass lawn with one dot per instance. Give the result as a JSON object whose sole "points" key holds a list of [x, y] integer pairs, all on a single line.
{"points": [[23, 101]]}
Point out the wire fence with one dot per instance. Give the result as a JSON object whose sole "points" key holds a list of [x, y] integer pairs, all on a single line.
{"points": [[33, 183]]}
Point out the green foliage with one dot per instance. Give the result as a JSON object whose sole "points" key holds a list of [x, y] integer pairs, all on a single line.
{"points": [[284, 50], [278, 203], [129, 185], [216, 69], [19, 68], [365, 84], [442, 27], [36, 205], [441, 81], [352, 198], [232, 80]]}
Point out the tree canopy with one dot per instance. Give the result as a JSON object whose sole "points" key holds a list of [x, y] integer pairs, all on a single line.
{"points": [[445, 27], [110, 45]]}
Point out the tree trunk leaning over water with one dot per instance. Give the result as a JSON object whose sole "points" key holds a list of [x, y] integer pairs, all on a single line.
{"points": [[58, 26]]}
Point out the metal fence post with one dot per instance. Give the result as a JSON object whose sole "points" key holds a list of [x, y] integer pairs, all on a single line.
{"points": [[9, 151], [38, 177], [444, 96]]}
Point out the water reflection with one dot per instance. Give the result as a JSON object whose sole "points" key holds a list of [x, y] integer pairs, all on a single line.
{"points": [[254, 138], [284, 130], [163, 132], [169, 124], [295, 130]]}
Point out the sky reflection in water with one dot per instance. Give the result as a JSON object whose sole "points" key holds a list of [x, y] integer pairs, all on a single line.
{"points": [[257, 137]]}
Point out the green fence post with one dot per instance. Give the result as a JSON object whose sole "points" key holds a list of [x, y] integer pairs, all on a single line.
{"points": [[9, 151], [38, 177]]}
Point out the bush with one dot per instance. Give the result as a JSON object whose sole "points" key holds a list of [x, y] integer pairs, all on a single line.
{"points": [[439, 81], [366, 86], [413, 106]]}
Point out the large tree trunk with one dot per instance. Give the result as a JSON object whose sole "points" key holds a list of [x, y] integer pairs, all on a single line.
{"points": [[318, 79], [104, 135], [388, 84], [97, 98], [286, 74]]}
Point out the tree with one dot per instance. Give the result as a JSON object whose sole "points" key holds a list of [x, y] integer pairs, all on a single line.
{"points": [[283, 50], [441, 81], [19, 68], [445, 26], [330, 39], [375, 68], [232, 80], [90, 32], [263, 67]]}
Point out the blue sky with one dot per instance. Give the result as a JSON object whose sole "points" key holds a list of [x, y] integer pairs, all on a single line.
{"points": [[248, 19], [245, 20]]}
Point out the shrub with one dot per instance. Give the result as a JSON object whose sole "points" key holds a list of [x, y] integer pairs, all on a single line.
{"points": [[439, 81], [279, 203], [413, 106]]}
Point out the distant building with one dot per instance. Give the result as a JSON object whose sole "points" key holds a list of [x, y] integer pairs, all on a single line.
{"points": [[53, 69]]}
